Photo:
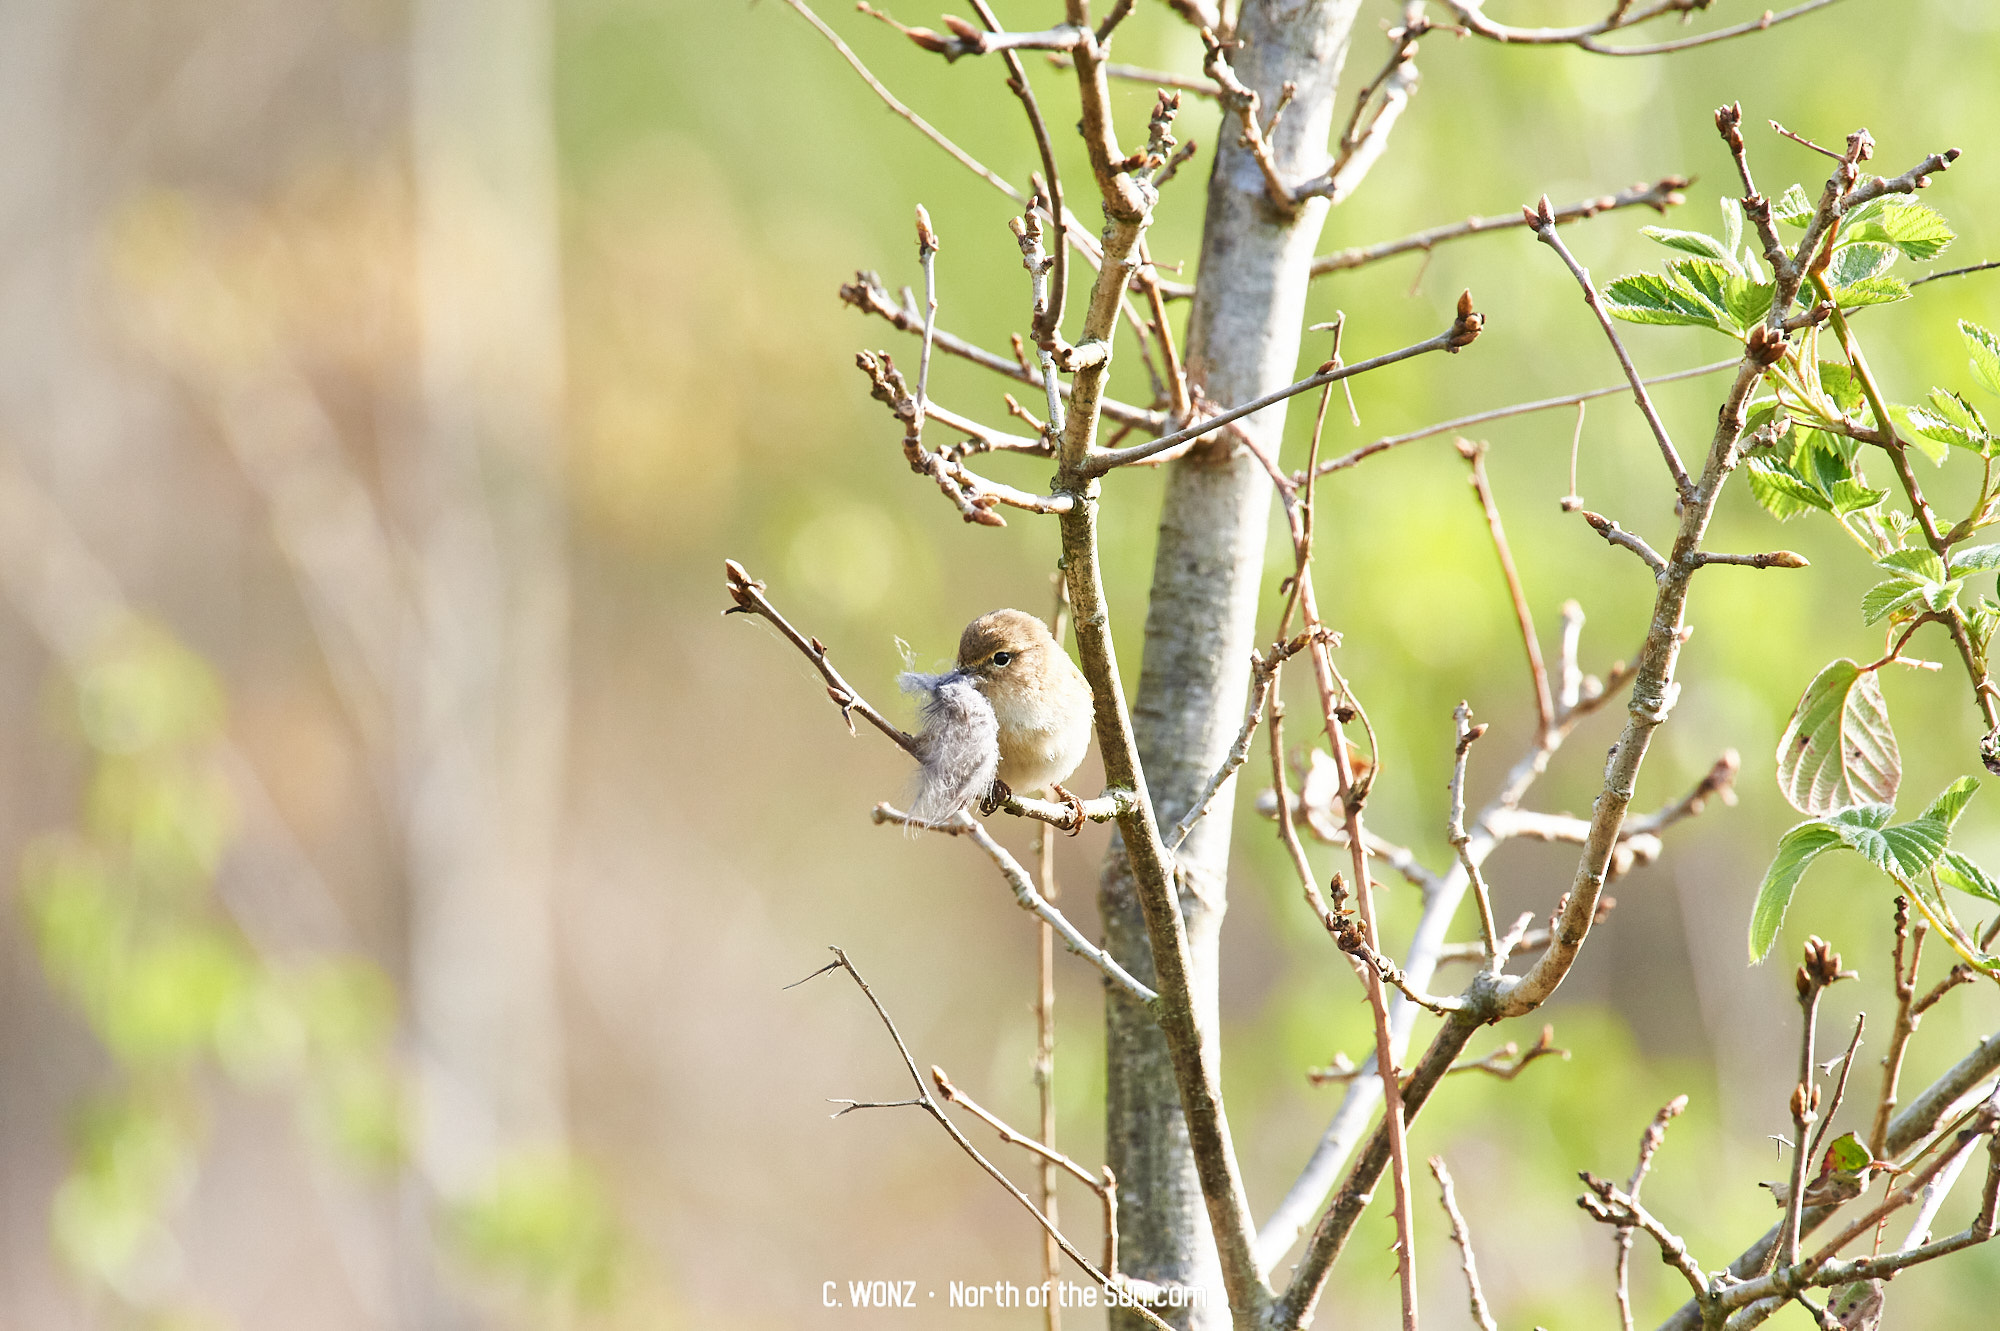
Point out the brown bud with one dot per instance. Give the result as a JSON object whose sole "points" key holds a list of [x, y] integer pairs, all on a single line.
{"points": [[927, 241], [927, 39], [965, 32]]}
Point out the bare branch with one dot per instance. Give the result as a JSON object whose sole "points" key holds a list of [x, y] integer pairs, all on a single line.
{"points": [[1030, 900], [1472, 15], [748, 593], [1462, 1236], [1617, 535], [1542, 219], [1649, 1144], [1458, 423], [1659, 196], [1545, 707], [1263, 671], [925, 1101], [1455, 831], [1463, 330]]}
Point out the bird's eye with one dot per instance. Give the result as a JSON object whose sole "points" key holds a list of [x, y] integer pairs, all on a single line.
{"points": [[1002, 658]]}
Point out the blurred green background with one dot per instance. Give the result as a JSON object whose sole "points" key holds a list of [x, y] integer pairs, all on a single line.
{"points": [[200, 1128]]}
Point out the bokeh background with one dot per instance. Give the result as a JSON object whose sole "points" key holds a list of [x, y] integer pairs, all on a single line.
{"points": [[409, 859]]}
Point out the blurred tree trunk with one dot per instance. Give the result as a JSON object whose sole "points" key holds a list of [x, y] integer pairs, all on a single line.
{"points": [[482, 714], [1243, 341]]}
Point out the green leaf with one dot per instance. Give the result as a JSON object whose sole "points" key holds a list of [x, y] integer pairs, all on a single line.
{"points": [[1709, 281], [1985, 350], [1747, 301], [1796, 850], [1838, 750], [1689, 242], [1955, 870], [1841, 385], [1845, 1155], [1648, 298], [1890, 598], [1951, 803], [1871, 291], [1916, 230], [1732, 225], [1975, 559], [1783, 494], [1858, 262], [1852, 497], [1792, 207], [1918, 562]]}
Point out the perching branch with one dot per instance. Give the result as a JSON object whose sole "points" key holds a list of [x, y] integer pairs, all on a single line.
{"points": [[1030, 900]]}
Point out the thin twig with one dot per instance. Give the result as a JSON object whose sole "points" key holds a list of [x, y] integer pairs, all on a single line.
{"points": [[1463, 330], [1660, 196], [1461, 840], [1030, 900], [925, 1101], [1542, 219], [1469, 13], [1458, 423], [1545, 706], [748, 593], [1461, 1234], [1263, 673], [1649, 1145]]}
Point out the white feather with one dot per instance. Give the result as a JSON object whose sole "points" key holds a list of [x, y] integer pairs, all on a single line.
{"points": [[960, 743]]}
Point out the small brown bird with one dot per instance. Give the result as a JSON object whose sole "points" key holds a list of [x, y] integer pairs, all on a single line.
{"points": [[1040, 699]]}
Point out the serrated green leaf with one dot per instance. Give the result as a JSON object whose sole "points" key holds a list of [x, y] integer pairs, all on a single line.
{"points": [[1889, 598], [1906, 428], [1747, 301], [1941, 598], [1796, 850], [1689, 242], [1854, 497], [1792, 207], [1708, 281], [1841, 385], [1915, 229], [1648, 298], [1905, 852], [1974, 559], [1956, 870], [1985, 350], [1918, 562], [1929, 424], [1858, 262], [1871, 291], [1782, 494], [1838, 750], [1951, 801]]}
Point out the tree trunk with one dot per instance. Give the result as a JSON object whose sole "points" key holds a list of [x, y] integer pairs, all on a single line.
{"points": [[1243, 341], [482, 716]]}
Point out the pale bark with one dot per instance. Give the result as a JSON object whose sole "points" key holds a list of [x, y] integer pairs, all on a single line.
{"points": [[482, 711], [1243, 336]]}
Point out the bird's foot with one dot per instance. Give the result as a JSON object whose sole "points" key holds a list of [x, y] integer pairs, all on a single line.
{"points": [[996, 795], [1075, 825]]}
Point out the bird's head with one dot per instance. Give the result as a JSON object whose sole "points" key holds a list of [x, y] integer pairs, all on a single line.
{"points": [[1007, 654]]}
